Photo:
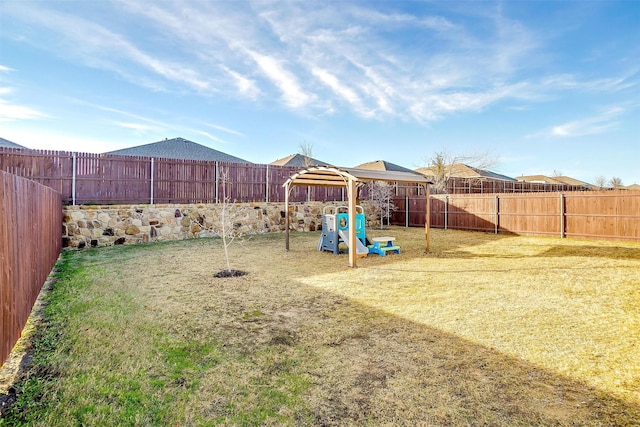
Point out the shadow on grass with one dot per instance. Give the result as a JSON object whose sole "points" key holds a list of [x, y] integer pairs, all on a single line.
{"points": [[363, 365], [381, 369], [612, 252]]}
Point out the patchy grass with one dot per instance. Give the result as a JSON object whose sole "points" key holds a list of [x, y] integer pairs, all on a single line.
{"points": [[484, 330]]}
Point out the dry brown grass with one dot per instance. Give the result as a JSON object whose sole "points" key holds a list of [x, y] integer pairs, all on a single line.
{"points": [[521, 324], [484, 330]]}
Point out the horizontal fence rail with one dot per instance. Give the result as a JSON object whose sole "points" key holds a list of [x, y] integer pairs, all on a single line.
{"points": [[84, 178], [612, 215], [30, 242]]}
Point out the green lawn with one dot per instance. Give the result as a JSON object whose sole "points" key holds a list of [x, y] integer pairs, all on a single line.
{"points": [[484, 330]]}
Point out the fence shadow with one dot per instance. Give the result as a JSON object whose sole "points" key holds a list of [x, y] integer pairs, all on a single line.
{"points": [[612, 252], [389, 369]]}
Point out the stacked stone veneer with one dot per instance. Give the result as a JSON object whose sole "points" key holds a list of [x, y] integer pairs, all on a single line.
{"points": [[87, 226]]}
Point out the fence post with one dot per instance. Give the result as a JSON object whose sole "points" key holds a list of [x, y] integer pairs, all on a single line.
{"points": [[497, 215], [73, 180], [446, 212], [216, 183], [406, 210], [562, 216], [267, 186], [151, 180]]}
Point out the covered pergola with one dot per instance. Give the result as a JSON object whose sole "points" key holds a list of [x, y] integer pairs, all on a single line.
{"points": [[351, 178]]}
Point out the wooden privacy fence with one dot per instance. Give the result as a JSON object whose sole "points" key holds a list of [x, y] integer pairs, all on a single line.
{"points": [[30, 227], [108, 179], [613, 215], [84, 178]]}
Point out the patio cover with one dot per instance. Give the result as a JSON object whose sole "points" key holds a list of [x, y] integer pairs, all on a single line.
{"points": [[351, 178]]}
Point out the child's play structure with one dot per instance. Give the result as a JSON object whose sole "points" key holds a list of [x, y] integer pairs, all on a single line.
{"points": [[351, 179], [335, 231]]}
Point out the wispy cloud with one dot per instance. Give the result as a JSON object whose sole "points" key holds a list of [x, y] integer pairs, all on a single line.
{"points": [[210, 136], [292, 93], [101, 47], [603, 122], [11, 112], [224, 129], [310, 57], [246, 86], [139, 127], [347, 94], [616, 83]]}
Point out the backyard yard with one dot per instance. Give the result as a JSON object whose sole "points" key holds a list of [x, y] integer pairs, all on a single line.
{"points": [[483, 330]]}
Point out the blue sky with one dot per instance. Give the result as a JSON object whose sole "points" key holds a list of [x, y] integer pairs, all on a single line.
{"points": [[544, 85]]}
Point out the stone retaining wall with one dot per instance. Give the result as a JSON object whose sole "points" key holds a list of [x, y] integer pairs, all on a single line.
{"points": [[87, 226]]}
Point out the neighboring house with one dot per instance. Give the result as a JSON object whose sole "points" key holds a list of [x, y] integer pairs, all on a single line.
{"points": [[460, 170], [9, 144], [178, 148], [633, 187], [383, 165], [298, 160], [560, 180], [538, 179]]}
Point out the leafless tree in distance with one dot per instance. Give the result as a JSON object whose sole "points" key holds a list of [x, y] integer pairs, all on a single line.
{"points": [[306, 150], [615, 182], [380, 194], [600, 182], [444, 163]]}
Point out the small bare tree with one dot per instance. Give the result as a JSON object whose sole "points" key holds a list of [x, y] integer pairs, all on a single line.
{"points": [[615, 182], [226, 229], [306, 150], [443, 165], [600, 182], [380, 194]]}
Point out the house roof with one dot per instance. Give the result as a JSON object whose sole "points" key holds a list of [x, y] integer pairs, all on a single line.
{"points": [[383, 165], [572, 181], [299, 160], [460, 170], [10, 144], [542, 179], [178, 148], [561, 180]]}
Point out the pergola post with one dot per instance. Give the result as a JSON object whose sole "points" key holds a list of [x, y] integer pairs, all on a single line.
{"points": [[286, 216], [352, 197], [427, 218]]}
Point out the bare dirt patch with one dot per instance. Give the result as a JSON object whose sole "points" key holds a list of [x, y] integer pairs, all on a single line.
{"points": [[229, 273]]}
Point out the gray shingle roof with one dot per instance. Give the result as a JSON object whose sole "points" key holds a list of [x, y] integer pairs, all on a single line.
{"points": [[383, 165], [566, 180], [9, 144], [298, 160], [460, 170], [178, 148]]}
